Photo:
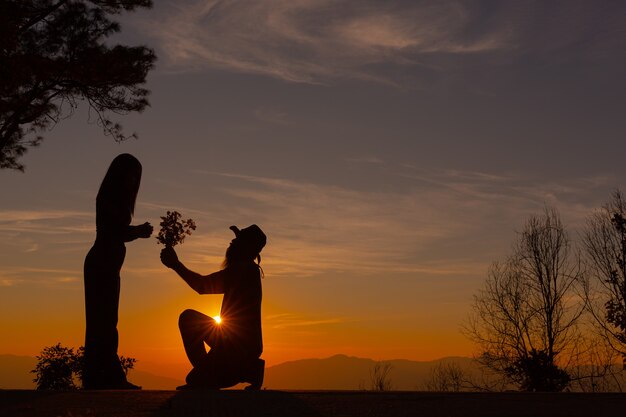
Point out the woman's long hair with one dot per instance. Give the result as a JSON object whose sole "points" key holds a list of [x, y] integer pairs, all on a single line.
{"points": [[121, 182]]}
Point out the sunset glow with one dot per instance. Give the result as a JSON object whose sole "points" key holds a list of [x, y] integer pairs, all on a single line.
{"points": [[390, 153]]}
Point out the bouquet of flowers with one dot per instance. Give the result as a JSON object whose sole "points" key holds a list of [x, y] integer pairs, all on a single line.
{"points": [[174, 229]]}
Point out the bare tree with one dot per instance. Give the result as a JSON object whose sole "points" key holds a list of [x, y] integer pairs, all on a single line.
{"points": [[594, 366], [605, 248], [446, 377], [379, 377], [525, 320]]}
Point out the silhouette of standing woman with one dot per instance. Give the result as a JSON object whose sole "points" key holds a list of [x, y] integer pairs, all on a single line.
{"points": [[115, 205], [235, 342]]}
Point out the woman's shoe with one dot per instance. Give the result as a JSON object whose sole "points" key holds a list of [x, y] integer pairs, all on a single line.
{"points": [[126, 386]]}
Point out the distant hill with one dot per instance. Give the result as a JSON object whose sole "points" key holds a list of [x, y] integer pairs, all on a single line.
{"points": [[148, 380], [341, 372], [15, 374]]}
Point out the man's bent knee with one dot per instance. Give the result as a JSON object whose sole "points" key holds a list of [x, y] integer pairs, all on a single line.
{"points": [[188, 316]]}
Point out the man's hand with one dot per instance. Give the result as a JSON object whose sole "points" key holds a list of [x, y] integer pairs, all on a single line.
{"points": [[144, 230], [169, 257]]}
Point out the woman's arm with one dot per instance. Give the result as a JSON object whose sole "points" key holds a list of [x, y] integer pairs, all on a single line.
{"points": [[133, 232], [114, 220], [202, 284]]}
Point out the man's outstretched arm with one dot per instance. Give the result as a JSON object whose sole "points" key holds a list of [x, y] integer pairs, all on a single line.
{"points": [[202, 284]]}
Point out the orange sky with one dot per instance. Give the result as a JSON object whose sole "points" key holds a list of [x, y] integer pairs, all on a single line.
{"points": [[302, 318], [389, 152]]}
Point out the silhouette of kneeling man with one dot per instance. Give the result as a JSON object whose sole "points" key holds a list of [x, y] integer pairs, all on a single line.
{"points": [[236, 342]]}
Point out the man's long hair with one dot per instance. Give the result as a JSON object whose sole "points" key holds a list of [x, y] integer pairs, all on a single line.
{"points": [[238, 254]]}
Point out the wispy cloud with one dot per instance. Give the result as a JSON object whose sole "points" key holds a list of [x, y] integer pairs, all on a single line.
{"points": [[272, 115], [366, 160], [442, 223], [447, 223], [288, 320], [313, 40], [68, 279], [13, 276], [316, 40], [29, 231], [33, 248], [9, 282], [39, 215], [47, 222]]}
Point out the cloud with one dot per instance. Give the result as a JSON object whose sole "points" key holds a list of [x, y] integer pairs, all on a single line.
{"points": [[33, 248], [366, 160], [314, 41], [32, 231], [441, 224], [65, 280], [50, 222], [16, 216], [444, 224], [272, 115], [13, 276], [288, 320]]}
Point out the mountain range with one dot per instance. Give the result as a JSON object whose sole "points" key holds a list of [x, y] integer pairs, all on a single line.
{"points": [[338, 372], [15, 374], [342, 372]]}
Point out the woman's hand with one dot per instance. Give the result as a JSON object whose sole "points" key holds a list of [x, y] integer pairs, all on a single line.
{"points": [[144, 230], [169, 257]]}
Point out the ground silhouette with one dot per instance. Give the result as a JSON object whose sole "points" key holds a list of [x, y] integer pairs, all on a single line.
{"points": [[306, 403]]}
